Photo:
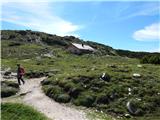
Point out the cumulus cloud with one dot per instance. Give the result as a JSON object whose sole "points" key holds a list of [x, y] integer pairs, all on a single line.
{"points": [[148, 33], [38, 16]]}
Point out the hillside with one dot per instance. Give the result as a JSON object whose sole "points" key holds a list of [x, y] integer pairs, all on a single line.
{"points": [[41, 38], [130, 90], [52, 40]]}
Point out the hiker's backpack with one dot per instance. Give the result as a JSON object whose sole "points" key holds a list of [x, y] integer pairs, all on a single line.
{"points": [[22, 71]]}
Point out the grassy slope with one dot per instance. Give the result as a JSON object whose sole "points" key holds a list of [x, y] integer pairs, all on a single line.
{"points": [[71, 66], [16, 111]]}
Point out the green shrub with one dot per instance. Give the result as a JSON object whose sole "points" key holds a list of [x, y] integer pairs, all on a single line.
{"points": [[97, 83], [148, 107], [12, 44], [8, 91], [62, 83], [46, 89], [52, 91], [85, 100], [36, 74], [49, 82], [9, 88], [46, 82], [69, 86], [10, 83], [103, 99], [82, 79], [154, 59], [74, 92], [63, 98]]}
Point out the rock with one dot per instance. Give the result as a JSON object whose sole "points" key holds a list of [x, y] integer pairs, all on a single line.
{"points": [[139, 99], [136, 75], [7, 73], [105, 77], [129, 89], [85, 86], [7, 77], [132, 108], [127, 115], [92, 69], [25, 60], [140, 66], [14, 74], [38, 58], [112, 66], [22, 94], [47, 55]]}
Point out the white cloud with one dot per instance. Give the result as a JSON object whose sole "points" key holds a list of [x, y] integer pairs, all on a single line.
{"points": [[155, 50], [38, 16], [149, 33], [137, 9]]}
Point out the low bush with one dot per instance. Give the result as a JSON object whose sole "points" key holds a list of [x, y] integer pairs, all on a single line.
{"points": [[63, 98], [49, 82], [82, 79], [69, 86], [103, 99], [46, 82], [74, 92], [12, 44], [36, 74], [8, 91], [62, 83], [154, 59], [10, 83], [85, 100], [9, 88], [97, 83], [53, 91]]}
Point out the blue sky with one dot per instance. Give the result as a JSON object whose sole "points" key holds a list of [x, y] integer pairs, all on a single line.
{"points": [[122, 25]]}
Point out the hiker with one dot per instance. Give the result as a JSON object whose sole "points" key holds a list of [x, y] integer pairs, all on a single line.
{"points": [[20, 73], [82, 45]]}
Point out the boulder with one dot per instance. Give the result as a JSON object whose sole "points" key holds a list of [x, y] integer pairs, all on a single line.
{"points": [[105, 77], [7, 73], [139, 66], [133, 108], [136, 75]]}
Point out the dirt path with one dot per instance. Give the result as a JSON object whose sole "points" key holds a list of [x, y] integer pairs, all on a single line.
{"points": [[56, 111]]}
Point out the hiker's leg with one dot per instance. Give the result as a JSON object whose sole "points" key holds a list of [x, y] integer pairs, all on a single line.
{"points": [[19, 81], [22, 80]]}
